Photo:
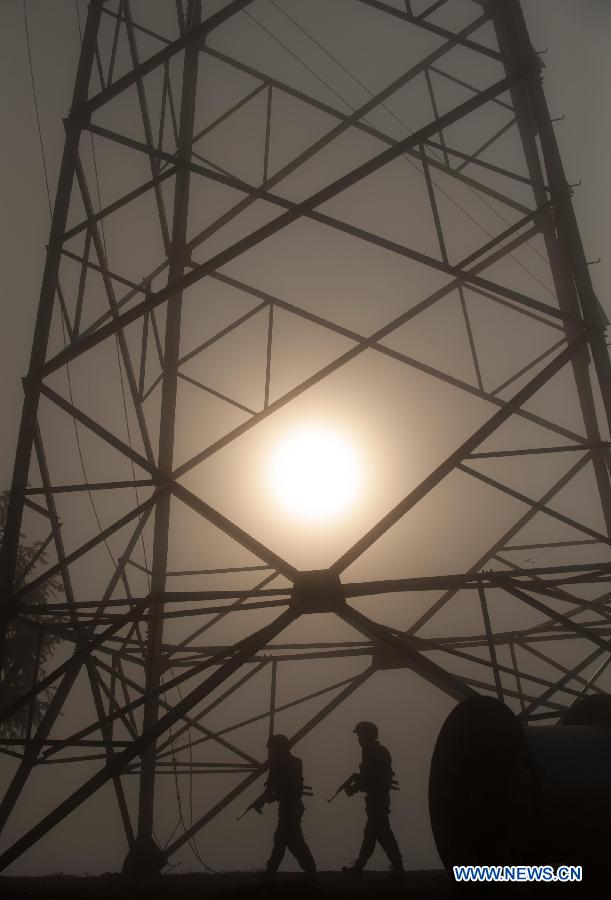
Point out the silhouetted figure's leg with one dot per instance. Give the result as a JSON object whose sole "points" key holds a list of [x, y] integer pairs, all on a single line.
{"points": [[388, 843], [369, 842], [296, 843], [378, 829], [280, 842]]}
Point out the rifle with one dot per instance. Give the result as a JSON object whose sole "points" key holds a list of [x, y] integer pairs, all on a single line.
{"points": [[263, 798], [256, 805], [352, 779]]}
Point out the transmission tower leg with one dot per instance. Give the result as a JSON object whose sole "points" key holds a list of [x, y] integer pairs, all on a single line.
{"points": [[25, 440], [560, 232], [145, 856]]}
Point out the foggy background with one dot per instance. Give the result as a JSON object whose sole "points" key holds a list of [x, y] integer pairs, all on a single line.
{"points": [[577, 74]]}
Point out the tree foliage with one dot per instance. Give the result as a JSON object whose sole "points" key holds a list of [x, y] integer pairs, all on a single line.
{"points": [[28, 648]]}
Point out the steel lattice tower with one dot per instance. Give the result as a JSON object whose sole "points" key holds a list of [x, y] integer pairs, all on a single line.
{"points": [[252, 240]]}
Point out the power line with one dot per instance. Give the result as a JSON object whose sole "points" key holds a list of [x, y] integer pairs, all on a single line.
{"points": [[31, 67]]}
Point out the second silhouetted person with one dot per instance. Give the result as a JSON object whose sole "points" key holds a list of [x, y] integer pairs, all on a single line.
{"points": [[375, 780]]}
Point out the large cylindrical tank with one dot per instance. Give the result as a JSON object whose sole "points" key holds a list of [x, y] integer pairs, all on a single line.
{"points": [[502, 793]]}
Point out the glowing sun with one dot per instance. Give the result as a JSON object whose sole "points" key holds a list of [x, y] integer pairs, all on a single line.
{"points": [[315, 473]]}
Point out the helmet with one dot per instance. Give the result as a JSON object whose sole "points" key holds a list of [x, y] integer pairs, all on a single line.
{"points": [[278, 742], [366, 729]]}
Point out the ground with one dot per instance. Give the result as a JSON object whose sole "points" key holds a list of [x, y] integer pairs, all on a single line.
{"points": [[431, 885], [424, 885]]}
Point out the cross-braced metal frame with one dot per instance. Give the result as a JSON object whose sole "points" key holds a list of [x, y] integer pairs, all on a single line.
{"points": [[140, 91]]}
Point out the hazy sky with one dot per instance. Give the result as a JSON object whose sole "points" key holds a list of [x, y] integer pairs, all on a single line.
{"points": [[577, 75]]}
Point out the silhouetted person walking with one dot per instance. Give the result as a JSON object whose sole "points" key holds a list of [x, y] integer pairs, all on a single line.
{"points": [[285, 786], [375, 780]]}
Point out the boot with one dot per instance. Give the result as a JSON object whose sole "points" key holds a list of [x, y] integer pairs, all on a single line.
{"points": [[311, 876], [397, 873], [353, 871]]}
